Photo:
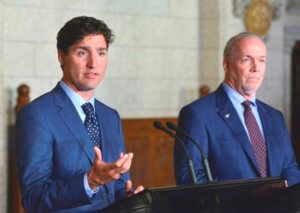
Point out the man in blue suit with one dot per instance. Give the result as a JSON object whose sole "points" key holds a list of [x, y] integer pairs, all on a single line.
{"points": [[242, 137], [70, 150]]}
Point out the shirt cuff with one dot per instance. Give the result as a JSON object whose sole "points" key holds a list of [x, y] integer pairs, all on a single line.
{"points": [[87, 188]]}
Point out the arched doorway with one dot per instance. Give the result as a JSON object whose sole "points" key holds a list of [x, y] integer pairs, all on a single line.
{"points": [[295, 92]]}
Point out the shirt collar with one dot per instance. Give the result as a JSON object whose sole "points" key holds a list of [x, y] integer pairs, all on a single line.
{"points": [[235, 96], [76, 99]]}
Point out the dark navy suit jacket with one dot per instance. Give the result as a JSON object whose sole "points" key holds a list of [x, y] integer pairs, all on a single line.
{"points": [[213, 122], [54, 152]]}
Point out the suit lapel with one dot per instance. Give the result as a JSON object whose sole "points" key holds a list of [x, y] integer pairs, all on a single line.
{"points": [[71, 118], [100, 115], [229, 115]]}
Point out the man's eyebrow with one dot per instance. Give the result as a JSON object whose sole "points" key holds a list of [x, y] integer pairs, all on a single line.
{"points": [[249, 56], [82, 47], [87, 48], [102, 48]]}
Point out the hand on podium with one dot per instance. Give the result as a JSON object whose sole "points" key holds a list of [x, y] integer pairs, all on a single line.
{"points": [[130, 191]]}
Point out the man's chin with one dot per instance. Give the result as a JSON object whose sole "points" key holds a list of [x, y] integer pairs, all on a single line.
{"points": [[249, 91], [85, 88]]}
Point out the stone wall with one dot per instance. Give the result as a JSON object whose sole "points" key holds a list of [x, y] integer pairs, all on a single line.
{"points": [[164, 50]]}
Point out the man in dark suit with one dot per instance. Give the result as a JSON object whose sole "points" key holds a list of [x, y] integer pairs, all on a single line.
{"points": [[70, 150], [242, 137]]}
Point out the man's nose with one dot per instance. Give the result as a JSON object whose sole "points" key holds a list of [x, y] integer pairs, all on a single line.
{"points": [[92, 61], [254, 66]]}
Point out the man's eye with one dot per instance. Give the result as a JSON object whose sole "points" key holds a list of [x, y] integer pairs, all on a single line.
{"points": [[245, 59], [102, 53], [81, 53], [262, 60]]}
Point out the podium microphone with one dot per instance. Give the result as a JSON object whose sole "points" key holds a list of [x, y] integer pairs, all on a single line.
{"points": [[172, 126], [158, 125]]}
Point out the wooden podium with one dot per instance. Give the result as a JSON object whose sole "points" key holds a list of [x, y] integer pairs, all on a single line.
{"points": [[254, 195]]}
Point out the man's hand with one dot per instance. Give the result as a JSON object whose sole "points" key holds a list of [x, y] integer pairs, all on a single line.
{"points": [[130, 191], [102, 173]]}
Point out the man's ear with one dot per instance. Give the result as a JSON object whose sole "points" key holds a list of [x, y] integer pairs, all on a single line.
{"points": [[60, 56], [225, 65]]}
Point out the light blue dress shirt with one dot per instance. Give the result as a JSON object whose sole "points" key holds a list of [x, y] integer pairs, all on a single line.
{"points": [[237, 99], [78, 101]]}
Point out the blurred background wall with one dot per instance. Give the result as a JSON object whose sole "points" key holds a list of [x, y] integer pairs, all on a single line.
{"points": [[164, 50]]}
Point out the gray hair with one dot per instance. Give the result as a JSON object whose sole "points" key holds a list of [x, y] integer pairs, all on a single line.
{"points": [[230, 45]]}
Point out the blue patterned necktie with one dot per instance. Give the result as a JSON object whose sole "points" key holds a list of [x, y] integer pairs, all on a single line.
{"points": [[91, 124], [257, 139]]}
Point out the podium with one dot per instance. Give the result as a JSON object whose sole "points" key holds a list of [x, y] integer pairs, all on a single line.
{"points": [[252, 195]]}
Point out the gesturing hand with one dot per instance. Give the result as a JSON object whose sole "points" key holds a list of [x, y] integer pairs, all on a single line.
{"points": [[102, 172]]}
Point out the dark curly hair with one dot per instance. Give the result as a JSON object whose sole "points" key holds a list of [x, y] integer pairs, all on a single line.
{"points": [[79, 27]]}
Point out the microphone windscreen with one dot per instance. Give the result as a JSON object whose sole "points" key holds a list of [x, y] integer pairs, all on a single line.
{"points": [[171, 125], [157, 124]]}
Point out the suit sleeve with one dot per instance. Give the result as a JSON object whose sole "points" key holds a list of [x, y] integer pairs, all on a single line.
{"points": [[120, 184], [290, 170], [190, 122], [34, 148]]}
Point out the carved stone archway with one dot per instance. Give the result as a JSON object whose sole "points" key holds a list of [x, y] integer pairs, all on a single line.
{"points": [[291, 35]]}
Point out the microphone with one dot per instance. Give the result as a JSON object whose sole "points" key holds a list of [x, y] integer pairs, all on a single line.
{"points": [[172, 126], [158, 125]]}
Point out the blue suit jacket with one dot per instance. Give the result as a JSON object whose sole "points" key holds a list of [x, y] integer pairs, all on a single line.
{"points": [[213, 122], [54, 152]]}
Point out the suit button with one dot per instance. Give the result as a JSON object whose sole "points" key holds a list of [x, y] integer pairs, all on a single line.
{"points": [[104, 195]]}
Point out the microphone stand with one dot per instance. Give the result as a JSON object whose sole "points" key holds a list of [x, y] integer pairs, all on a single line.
{"points": [[159, 126], [172, 126]]}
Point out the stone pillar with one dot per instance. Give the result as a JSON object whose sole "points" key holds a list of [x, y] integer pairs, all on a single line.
{"points": [[3, 129]]}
